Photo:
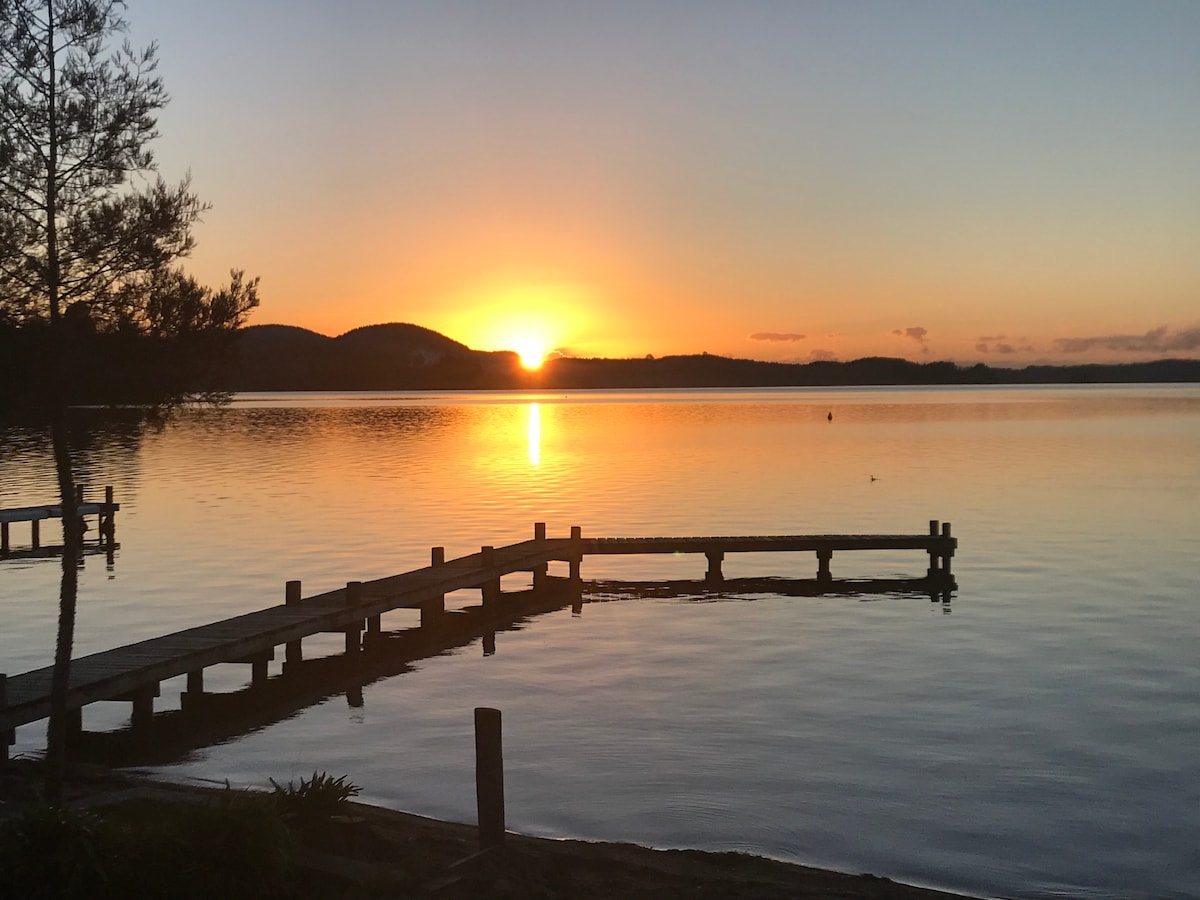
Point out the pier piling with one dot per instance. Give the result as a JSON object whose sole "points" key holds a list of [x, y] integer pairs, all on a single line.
{"points": [[947, 553], [714, 574], [489, 777], [433, 610], [823, 558], [576, 561], [7, 735], [354, 629], [293, 652]]}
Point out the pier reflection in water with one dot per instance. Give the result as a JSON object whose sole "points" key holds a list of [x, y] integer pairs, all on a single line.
{"points": [[208, 718]]}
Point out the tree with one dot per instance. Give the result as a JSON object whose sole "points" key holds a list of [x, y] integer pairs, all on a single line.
{"points": [[89, 240]]}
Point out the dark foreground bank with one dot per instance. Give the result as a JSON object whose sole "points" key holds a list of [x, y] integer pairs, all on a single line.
{"points": [[353, 850]]}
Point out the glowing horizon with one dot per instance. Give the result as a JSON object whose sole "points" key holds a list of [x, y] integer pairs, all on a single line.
{"points": [[985, 182]]}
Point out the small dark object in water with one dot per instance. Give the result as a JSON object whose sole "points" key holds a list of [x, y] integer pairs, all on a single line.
{"points": [[830, 417]]}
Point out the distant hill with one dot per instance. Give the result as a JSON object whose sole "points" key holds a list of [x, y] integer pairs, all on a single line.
{"points": [[399, 356], [395, 356]]}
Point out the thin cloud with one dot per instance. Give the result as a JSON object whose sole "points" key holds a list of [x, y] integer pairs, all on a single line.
{"points": [[822, 356], [996, 344], [1157, 340], [781, 336], [916, 333]]}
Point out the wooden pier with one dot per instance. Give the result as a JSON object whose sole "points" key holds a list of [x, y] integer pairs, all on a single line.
{"points": [[106, 528], [134, 672]]}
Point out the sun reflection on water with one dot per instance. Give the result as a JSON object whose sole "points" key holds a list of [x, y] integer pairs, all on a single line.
{"points": [[535, 435]]}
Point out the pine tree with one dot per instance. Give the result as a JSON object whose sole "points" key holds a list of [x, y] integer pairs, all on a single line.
{"points": [[90, 237]]}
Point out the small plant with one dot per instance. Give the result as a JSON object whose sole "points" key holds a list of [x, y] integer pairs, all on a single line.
{"points": [[314, 799]]}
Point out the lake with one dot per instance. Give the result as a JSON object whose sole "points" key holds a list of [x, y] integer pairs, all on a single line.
{"points": [[1033, 736]]}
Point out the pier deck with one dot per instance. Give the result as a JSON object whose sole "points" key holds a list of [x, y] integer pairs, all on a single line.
{"points": [[134, 672]]}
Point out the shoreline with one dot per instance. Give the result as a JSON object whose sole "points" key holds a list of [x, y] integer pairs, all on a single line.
{"points": [[382, 851]]}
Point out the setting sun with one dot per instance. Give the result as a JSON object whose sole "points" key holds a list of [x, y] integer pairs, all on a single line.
{"points": [[532, 353], [534, 321]]}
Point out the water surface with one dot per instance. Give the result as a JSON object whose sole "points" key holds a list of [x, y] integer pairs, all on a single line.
{"points": [[1033, 737]]}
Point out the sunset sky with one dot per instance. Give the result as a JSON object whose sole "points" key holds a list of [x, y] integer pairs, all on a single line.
{"points": [[1005, 182]]}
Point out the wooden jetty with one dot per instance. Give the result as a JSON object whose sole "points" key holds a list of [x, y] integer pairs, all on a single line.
{"points": [[134, 672], [105, 513]]}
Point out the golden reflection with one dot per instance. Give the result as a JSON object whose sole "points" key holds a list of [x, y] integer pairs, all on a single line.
{"points": [[535, 435]]}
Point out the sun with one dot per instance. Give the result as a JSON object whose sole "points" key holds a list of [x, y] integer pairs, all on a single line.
{"points": [[532, 353], [535, 321]]}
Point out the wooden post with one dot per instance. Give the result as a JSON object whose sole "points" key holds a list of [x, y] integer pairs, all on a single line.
{"points": [[194, 692], [4, 538], [292, 651], [7, 735], [948, 551], [714, 574], [108, 523], [540, 571], [576, 553], [491, 587], [933, 552], [433, 610], [258, 670], [823, 558], [143, 705], [489, 777], [353, 598], [35, 533], [489, 643]]}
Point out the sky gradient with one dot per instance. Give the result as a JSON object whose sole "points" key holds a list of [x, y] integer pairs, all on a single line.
{"points": [[1005, 182]]}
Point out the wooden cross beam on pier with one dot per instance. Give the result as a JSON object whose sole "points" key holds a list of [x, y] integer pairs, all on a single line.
{"points": [[134, 672]]}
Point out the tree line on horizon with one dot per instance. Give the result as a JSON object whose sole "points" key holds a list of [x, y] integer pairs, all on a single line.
{"points": [[409, 357]]}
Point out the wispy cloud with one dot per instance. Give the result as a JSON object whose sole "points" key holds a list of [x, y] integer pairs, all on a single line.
{"points": [[997, 343], [916, 333], [1157, 340], [822, 356], [781, 336]]}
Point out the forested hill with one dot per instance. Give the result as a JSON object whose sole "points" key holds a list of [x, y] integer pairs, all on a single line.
{"points": [[377, 357], [409, 357]]}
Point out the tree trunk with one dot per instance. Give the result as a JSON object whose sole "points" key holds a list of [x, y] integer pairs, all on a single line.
{"points": [[56, 733]]}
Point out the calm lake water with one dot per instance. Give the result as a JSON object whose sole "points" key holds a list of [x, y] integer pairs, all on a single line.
{"points": [[1035, 736]]}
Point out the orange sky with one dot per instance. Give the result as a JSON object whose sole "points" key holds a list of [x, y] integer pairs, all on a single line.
{"points": [[991, 181]]}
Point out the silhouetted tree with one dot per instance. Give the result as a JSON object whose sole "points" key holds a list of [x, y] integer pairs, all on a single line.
{"points": [[89, 235]]}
